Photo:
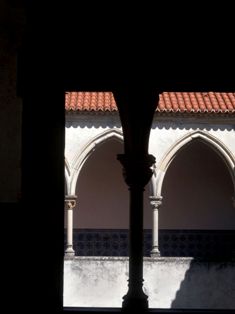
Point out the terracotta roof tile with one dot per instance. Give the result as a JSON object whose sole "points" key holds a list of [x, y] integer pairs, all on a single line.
{"points": [[192, 102], [196, 102], [90, 101]]}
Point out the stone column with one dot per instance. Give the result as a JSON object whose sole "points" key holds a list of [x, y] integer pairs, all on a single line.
{"points": [[70, 202], [137, 173], [156, 202]]}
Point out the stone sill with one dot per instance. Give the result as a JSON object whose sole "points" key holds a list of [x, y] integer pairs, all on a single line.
{"points": [[150, 259]]}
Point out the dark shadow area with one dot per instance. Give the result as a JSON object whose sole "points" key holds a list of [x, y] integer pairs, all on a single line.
{"points": [[208, 284], [91, 120], [198, 122]]}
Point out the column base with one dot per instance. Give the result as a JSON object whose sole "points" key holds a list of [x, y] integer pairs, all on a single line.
{"points": [[155, 252], [69, 252], [138, 304]]}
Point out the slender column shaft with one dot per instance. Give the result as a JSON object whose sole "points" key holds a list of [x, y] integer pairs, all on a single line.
{"points": [[70, 202], [155, 202], [70, 227]]}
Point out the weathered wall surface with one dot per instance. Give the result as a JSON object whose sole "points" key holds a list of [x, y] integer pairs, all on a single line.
{"points": [[95, 282], [169, 283]]}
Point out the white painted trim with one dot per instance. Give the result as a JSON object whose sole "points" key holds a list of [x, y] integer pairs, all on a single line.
{"points": [[89, 148], [67, 175], [207, 138]]}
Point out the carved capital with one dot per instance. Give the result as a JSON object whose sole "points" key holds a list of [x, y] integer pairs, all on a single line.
{"points": [[156, 202], [70, 201], [136, 170]]}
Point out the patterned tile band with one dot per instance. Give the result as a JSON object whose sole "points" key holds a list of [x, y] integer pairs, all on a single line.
{"points": [[194, 243]]}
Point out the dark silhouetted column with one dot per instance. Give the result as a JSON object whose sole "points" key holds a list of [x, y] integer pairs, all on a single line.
{"points": [[136, 104], [137, 173]]}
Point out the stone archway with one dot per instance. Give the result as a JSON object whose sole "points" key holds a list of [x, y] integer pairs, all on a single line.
{"points": [[213, 142], [161, 169], [88, 149]]}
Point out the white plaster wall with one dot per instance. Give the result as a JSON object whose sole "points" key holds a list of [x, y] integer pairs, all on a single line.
{"points": [[82, 129], [169, 283], [166, 132], [95, 282]]}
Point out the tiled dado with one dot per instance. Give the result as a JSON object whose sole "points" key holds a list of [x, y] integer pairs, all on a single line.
{"points": [[195, 243]]}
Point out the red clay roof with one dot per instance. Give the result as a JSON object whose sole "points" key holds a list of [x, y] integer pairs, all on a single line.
{"points": [[210, 102], [90, 101], [196, 102]]}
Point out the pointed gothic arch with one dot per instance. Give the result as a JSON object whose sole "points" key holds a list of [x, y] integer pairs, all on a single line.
{"points": [[208, 139], [88, 149]]}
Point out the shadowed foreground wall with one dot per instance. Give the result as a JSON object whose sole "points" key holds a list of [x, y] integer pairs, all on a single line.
{"points": [[169, 282]]}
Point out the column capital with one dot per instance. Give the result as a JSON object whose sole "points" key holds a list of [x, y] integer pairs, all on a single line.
{"points": [[70, 201], [137, 170], [156, 201]]}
